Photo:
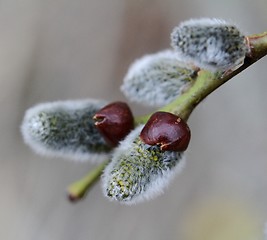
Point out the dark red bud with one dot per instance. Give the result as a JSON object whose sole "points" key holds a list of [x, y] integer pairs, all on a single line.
{"points": [[114, 122], [168, 131]]}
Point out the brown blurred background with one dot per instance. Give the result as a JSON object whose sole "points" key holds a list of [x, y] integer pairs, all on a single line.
{"points": [[63, 49]]}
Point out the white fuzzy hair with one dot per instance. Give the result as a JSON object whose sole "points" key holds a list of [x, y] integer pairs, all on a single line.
{"points": [[148, 79], [212, 58], [204, 22], [66, 153], [157, 184]]}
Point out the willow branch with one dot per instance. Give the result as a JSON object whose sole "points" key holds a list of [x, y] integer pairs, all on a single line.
{"points": [[207, 82], [183, 106], [78, 189]]}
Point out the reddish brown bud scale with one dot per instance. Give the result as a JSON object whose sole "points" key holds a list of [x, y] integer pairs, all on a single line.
{"points": [[114, 122], [168, 131]]}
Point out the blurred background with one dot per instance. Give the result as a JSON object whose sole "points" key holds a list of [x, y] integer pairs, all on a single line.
{"points": [[63, 49]]}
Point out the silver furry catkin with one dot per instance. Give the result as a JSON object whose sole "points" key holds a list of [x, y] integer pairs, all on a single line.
{"points": [[139, 171], [65, 129], [157, 79], [211, 44]]}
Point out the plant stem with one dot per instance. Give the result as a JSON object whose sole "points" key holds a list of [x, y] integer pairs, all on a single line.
{"points": [[78, 189], [206, 82]]}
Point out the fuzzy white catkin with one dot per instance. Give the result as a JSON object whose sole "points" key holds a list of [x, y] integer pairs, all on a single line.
{"points": [[139, 171], [157, 79], [65, 129], [211, 44]]}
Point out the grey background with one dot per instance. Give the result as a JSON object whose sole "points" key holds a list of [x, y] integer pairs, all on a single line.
{"points": [[57, 50]]}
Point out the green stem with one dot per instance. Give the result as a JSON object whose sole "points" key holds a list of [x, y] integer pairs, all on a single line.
{"points": [[77, 190], [204, 84], [207, 82]]}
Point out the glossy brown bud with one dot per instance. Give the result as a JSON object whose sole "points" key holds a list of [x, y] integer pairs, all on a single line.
{"points": [[114, 122], [168, 131]]}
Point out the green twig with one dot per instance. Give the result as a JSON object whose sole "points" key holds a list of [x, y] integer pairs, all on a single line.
{"points": [[78, 189], [205, 83]]}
